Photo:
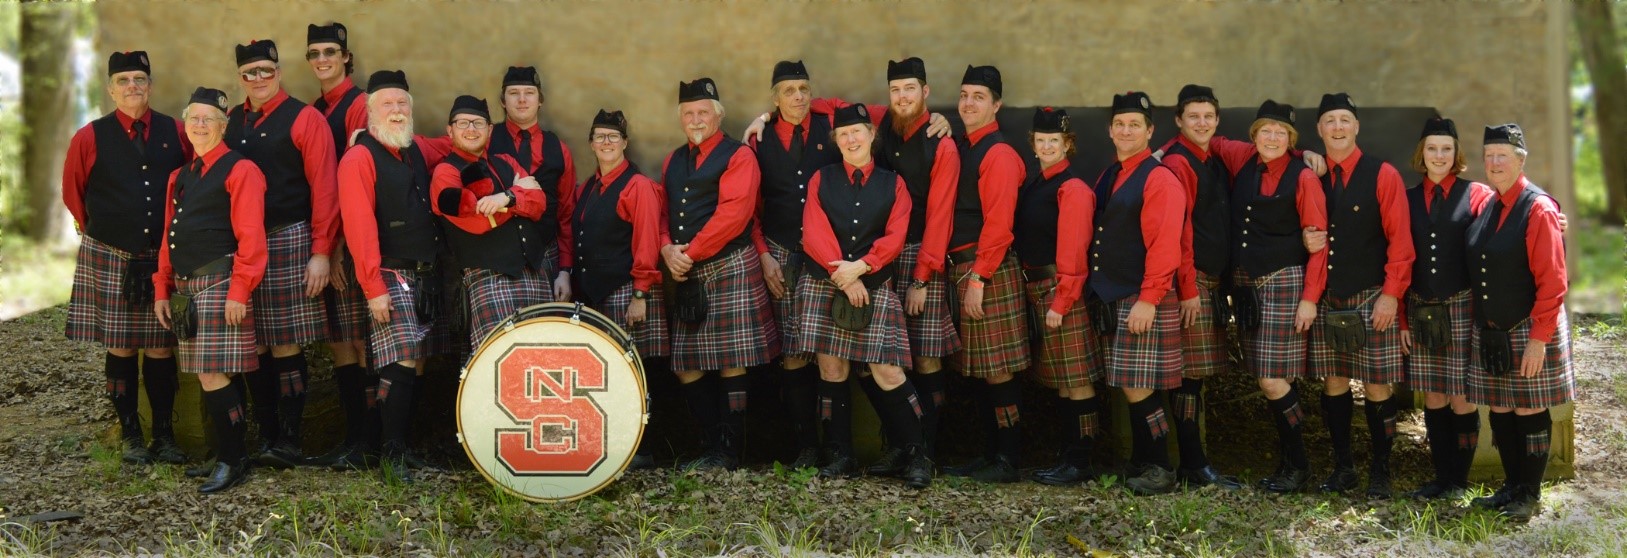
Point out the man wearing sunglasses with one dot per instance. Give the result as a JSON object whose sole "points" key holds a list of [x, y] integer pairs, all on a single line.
{"points": [[293, 146], [543, 155]]}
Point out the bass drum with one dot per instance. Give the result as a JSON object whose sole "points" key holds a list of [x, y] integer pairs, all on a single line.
{"points": [[551, 406]]}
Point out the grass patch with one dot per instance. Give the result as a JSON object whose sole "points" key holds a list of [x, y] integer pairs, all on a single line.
{"points": [[33, 276], [1598, 278]]}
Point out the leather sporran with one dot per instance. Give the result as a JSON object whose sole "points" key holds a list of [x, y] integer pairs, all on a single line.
{"points": [[1102, 317], [1496, 352], [1346, 331], [1246, 307], [138, 282], [183, 316], [689, 299], [1431, 325], [847, 316]]}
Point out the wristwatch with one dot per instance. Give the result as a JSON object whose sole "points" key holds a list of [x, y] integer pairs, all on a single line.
{"points": [[641, 295], [510, 194], [918, 284]]}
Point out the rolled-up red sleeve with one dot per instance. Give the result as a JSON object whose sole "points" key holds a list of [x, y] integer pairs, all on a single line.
{"points": [[891, 243], [1186, 276], [566, 204], [1075, 228], [940, 209], [1161, 213], [644, 205], [666, 231], [357, 177], [246, 186], [76, 171], [447, 181], [1545, 249], [818, 239], [1397, 224], [1313, 212], [1233, 153], [999, 176], [529, 203], [736, 201]]}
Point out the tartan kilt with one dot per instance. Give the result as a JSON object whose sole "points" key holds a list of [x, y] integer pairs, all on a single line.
{"points": [[347, 315], [217, 348], [494, 297], [1203, 346], [283, 315], [98, 311], [884, 342], [1069, 356], [739, 330], [1378, 361], [785, 309], [1274, 349], [998, 342], [1553, 385], [1151, 360], [652, 336], [404, 338], [1442, 370], [932, 332]]}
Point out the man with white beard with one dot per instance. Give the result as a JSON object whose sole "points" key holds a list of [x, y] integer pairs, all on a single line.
{"points": [[393, 237]]}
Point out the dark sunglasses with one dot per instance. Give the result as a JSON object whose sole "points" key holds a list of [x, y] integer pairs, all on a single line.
{"points": [[329, 52]]}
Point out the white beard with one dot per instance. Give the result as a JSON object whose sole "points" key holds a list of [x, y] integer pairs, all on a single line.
{"points": [[397, 139]]}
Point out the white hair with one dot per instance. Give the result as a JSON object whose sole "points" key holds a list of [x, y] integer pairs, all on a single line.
{"points": [[219, 114], [717, 106], [398, 140]]}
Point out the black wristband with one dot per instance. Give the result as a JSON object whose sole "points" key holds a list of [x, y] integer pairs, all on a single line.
{"points": [[641, 295]]}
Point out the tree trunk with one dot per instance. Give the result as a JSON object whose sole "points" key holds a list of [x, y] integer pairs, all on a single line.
{"points": [[47, 45], [1596, 29]]}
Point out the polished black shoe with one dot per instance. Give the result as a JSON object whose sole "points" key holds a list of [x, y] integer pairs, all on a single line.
{"points": [[892, 464], [1437, 490], [918, 474], [1286, 480], [998, 471], [806, 457], [136, 453], [1061, 474], [344, 458], [1498, 499], [966, 469], [328, 459], [279, 457], [1152, 480], [1207, 476], [1378, 484], [165, 450], [1342, 480], [641, 461], [201, 471], [225, 476], [840, 466], [712, 459]]}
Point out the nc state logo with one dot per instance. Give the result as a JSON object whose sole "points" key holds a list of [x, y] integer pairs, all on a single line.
{"points": [[560, 430]]}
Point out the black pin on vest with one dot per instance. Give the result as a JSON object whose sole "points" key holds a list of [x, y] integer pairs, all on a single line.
{"points": [[202, 230], [968, 199], [858, 216], [604, 241], [336, 119], [547, 171], [1438, 237], [1356, 241], [270, 144], [1211, 212], [510, 248], [407, 229], [785, 182], [1499, 268], [911, 159], [1037, 212], [692, 193], [1118, 255], [1265, 229], [124, 193]]}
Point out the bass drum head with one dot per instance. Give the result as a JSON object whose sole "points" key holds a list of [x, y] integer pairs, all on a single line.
{"points": [[551, 405]]}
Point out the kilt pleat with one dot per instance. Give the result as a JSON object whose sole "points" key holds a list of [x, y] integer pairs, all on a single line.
{"points": [[998, 342], [1203, 346], [884, 342], [785, 309], [1378, 361], [1553, 385], [1069, 356], [98, 311], [283, 315], [739, 330], [1444, 370], [218, 347], [652, 336], [1274, 349], [403, 338], [1150, 360], [347, 310], [494, 297], [932, 332]]}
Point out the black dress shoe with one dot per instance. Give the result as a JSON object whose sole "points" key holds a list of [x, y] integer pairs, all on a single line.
{"points": [[806, 457], [225, 476], [918, 474], [891, 464], [343, 458], [327, 459], [165, 450], [136, 454], [641, 461], [840, 466], [1378, 484], [1342, 480], [280, 457], [713, 459], [1498, 499], [1208, 476], [1152, 480], [200, 471], [1523, 506], [1286, 480], [998, 471], [966, 469], [1062, 474], [1437, 490]]}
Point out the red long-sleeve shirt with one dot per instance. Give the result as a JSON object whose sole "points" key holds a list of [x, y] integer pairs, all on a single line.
{"points": [[1312, 206], [1545, 250], [1161, 207], [1186, 276], [644, 205], [566, 185], [357, 199], [999, 175], [1480, 195], [355, 116], [528, 203], [1075, 227], [737, 194], [82, 156], [1397, 224], [246, 187], [819, 239], [940, 198], [314, 140]]}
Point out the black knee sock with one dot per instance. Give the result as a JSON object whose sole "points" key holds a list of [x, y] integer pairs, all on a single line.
{"points": [[1467, 427], [903, 407], [733, 406], [1149, 428], [1381, 428], [226, 414], [1443, 442], [836, 414], [701, 397], [372, 421], [878, 402], [263, 396], [123, 373], [395, 392], [799, 403], [1005, 402], [1535, 431], [1337, 411], [352, 401], [162, 382], [291, 375], [1087, 417], [931, 390], [1505, 435], [1187, 402], [1289, 416]]}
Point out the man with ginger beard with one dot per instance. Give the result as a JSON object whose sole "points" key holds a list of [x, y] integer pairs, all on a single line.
{"points": [[395, 246], [543, 155]]}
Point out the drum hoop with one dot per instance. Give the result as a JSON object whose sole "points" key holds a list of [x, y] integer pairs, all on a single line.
{"points": [[643, 404], [576, 309]]}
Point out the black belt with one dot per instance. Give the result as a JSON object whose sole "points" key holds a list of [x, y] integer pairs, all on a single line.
{"points": [[963, 255], [405, 264], [1035, 274], [272, 231], [220, 265]]}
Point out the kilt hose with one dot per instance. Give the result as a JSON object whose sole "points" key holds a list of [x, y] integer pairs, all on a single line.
{"points": [[283, 315], [347, 310], [98, 311], [785, 309], [1274, 349], [404, 337], [218, 347], [494, 297], [1150, 360], [739, 330], [1553, 385], [1443, 370], [1378, 361], [998, 342], [1069, 356], [932, 332], [652, 336], [884, 342], [1204, 346]]}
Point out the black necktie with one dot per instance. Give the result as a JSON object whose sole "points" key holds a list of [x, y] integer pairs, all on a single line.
{"points": [[1437, 204], [796, 146], [321, 105], [193, 172], [525, 150], [694, 157], [139, 136], [858, 177], [1338, 185]]}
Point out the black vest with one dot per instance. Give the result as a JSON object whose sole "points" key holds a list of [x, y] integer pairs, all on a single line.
{"points": [[124, 193], [271, 146], [604, 241], [1118, 254], [1265, 229], [204, 234], [911, 159], [1211, 212], [1499, 268], [407, 229], [968, 200], [785, 184], [547, 171], [1037, 211], [510, 248], [336, 119], [692, 194], [858, 216], [1356, 241], [1439, 271]]}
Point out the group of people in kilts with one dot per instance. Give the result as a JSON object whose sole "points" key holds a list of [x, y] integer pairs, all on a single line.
{"points": [[836, 233]]}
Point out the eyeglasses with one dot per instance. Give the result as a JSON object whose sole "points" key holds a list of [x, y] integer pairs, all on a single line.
{"points": [[201, 120], [329, 52], [606, 138], [257, 74], [128, 81], [469, 124]]}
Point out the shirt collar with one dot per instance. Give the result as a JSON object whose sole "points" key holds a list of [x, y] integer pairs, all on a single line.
{"points": [[125, 120], [1513, 192], [1201, 153], [1349, 164], [974, 137], [271, 105], [338, 92], [1053, 170], [1134, 161], [605, 178], [213, 155], [867, 169]]}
